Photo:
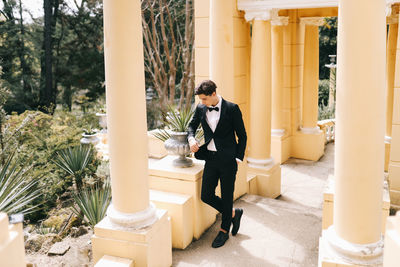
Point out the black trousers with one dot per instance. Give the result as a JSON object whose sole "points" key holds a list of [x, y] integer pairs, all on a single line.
{"points": [[225, 171]]}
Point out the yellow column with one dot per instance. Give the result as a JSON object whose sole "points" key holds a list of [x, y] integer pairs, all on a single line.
{"points": [[390, 70], [221, 47], [260, 162], [120, 233], [355, 236], [310, 75], [126, 112], [260, 95], [277, 76], [394, 162]]}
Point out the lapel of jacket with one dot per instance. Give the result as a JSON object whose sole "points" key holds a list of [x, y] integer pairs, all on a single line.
{"points": [[222, 115], [204, 122]]}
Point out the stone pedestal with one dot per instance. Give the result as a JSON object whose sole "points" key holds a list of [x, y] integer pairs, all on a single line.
{"points": [[150, 246], [12, 250], [280, 148], [165, 177], [180, 211], [327, 207], [308, 145], [267, 182], [392, 242]]}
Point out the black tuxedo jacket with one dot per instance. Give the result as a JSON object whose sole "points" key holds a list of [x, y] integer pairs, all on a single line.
{"points": [[229, 124]]}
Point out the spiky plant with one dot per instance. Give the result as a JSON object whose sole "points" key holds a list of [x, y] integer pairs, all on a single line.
{"points": [[74, 160], [17, 191], [177, 121], [92, 203]]}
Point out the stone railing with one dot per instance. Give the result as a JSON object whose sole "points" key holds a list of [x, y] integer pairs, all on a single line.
{"points": [[328, 126]]}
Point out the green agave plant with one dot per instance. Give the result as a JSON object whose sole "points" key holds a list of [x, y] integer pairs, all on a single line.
{"points": [[92, 203], [177, 121], [16, 191], [74, 160]]}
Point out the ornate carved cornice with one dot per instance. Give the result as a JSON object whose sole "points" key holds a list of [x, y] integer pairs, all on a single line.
{"points": [[280, 21], [260, 14], [316, 21], [247, 5]]}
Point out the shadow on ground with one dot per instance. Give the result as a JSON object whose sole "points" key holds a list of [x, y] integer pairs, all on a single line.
{"points": [[274, 232]]}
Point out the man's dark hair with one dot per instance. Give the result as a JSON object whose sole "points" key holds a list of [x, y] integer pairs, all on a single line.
{"points": [[206, 87]]}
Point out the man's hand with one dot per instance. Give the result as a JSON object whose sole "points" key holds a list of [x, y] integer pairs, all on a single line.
{"points": [[194, 146]]}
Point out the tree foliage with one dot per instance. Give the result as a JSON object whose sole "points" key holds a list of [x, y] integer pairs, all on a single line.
{"points": [[327, 45], [168, 33], [46, 60]]}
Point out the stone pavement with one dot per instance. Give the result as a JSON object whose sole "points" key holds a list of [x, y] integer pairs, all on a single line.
{"points": [[274, 232]]}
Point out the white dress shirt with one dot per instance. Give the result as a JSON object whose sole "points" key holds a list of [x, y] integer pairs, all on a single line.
{"points": [[212, 120]]}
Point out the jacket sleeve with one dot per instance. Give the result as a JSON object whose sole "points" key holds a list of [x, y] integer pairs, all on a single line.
{"points": [[194, 123], [240, 132]]}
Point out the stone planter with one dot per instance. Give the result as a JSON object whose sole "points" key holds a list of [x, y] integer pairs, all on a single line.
{"points": [[89, 139], [102, 121], [177, 144]]}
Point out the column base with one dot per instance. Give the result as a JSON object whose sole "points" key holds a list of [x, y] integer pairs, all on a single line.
{"points": [[337, 252], [12, 250], [267, 181], [150, 246], [392, 242], [308, 146], [280, 148], [327, 207], [180, 210]]}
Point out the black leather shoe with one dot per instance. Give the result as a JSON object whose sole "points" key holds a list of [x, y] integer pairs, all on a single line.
{"points": [[236, 221], [220, 240]]}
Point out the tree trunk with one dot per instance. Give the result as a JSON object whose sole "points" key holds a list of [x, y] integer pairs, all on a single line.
{"points": [[24, 67], [48, 91]]}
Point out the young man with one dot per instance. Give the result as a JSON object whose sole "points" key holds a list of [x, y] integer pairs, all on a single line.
{"points": [[221, 121]]}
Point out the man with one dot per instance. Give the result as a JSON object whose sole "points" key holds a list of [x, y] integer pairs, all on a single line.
{"points": [[220, 120]]}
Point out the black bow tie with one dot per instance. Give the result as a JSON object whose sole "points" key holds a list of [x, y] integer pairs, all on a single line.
{"points": [[211, 109]]}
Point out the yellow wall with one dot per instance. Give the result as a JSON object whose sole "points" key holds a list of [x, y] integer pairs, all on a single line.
{"points": [[293, 50]]}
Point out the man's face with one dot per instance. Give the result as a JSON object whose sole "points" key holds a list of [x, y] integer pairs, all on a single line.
{"points": [[207, 100]]}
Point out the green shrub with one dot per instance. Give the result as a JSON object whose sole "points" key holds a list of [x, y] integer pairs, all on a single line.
{"points": [[37, 136], [324, 112], [323, 92]]}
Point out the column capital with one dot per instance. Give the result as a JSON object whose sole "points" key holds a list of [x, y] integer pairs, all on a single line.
{"points": [[313, 21], [260, 14], [392, 19], [280, 21]]}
